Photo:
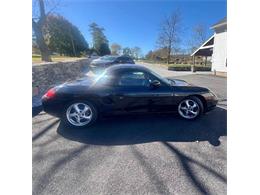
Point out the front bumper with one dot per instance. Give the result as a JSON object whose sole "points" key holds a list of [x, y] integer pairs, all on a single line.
{"points": [[211, 101], [210, 108]]}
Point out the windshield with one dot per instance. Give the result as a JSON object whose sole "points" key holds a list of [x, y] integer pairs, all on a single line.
{"points": [[108, 58]]}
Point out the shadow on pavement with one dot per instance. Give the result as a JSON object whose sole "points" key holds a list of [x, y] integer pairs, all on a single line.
{"points": [[186, 160], [36, 110], [46, 178], [44, 130], [125, 130]]}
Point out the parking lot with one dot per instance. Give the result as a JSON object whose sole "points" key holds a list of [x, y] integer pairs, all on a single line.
{"points": [[153, 154]]}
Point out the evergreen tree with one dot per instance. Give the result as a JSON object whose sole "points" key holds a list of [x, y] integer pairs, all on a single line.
{"points": [[63, 37], [100, 42]]}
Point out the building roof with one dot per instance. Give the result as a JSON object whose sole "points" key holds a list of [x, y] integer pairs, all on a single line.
{"points": [[220, 23], [205, 49]]}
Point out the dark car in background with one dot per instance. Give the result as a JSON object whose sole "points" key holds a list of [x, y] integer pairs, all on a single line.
{"points": [[125, 89], [108, 60]]}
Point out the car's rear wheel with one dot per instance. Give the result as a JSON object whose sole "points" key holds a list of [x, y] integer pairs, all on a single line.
{"points": [[190, 108], [80, 114]]}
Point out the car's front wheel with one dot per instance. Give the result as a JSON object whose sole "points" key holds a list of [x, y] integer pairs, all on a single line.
{"points": [[190, 108], [80, 114]]}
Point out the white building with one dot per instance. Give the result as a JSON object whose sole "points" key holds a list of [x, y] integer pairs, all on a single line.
{"points": [[216, 47]]}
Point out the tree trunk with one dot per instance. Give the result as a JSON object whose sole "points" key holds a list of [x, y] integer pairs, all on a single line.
{"points": [[73, 47], [45, 53], [37, 27], [169, 56]]}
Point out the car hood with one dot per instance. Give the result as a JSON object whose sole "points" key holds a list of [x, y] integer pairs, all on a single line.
{"points": [[184, 86], [178, 82]]}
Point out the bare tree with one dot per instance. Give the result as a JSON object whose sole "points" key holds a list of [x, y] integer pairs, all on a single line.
{"points": [[198, 36], [136, 52], [115, 49], [38, 24], [169, 36]]}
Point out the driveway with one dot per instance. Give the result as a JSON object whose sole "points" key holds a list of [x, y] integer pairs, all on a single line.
{"points": [[154, 154]]}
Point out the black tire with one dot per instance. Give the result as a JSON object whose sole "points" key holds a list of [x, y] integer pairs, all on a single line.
{"points": [[94, 112], [199, 103]]}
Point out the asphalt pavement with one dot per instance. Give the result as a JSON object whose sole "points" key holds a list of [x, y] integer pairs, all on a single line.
{"points": [[152, 154]]}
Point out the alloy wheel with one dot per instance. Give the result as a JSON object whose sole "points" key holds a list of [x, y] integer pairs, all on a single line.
{"points": [[79, 114], [189, 109]]}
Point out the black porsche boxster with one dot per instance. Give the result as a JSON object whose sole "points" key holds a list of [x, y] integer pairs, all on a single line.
{"points": [[123, 89]]}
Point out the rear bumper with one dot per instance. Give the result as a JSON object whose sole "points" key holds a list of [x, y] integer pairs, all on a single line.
{"points": [[52, 107]]}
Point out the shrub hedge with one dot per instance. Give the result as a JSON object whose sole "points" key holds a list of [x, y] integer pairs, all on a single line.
{"points": [[188, 68]]}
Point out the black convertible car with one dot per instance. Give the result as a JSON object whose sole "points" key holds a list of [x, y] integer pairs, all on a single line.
{"points": [[125, 89]]}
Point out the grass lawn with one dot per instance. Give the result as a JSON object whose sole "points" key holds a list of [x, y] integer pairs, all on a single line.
{"points": [[55, 58]]}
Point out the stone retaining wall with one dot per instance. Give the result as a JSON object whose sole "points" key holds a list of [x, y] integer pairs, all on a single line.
{"points": [[46, 75]]}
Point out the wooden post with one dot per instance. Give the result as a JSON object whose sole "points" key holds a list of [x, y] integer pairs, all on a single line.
{"points": [[193, 65], [206, 60]]}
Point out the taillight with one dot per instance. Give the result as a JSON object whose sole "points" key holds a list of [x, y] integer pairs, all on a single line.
{"points": [[50, 93]]}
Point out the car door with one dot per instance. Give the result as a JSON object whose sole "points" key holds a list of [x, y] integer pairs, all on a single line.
{"points": [[133, 93], [129, 91], [161, 96]]}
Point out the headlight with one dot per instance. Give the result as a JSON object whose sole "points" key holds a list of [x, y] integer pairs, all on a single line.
{"points": [[213, 94], [210, 95]]}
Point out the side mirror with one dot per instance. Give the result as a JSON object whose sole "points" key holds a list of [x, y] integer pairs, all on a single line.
{"points": [[155, 84]]}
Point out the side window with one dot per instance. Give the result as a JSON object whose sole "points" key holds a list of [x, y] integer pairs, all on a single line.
{"points": [[119, 59], [105, 79], [134, 78], [129, 60], [124, 59]]}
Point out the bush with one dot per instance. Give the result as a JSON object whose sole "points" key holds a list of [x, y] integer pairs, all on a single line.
{"points": [[188, 68], [203, 68], [179, 68]]}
